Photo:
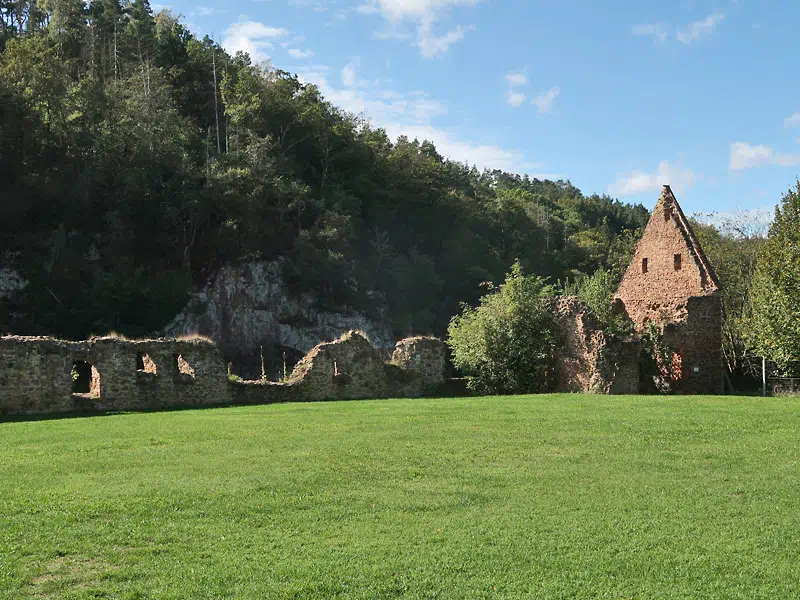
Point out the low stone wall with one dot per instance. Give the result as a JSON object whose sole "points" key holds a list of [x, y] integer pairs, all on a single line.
{"points": [[36, 374], [350, 368], [590, 361]]}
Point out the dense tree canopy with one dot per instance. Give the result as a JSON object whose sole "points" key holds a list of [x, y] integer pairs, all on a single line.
{"points": [[733, 245], [135, 159], [771, 324]]}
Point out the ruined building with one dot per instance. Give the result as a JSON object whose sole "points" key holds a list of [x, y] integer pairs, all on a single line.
{"points": [[671, 284], [45, 375], [588, 359]]}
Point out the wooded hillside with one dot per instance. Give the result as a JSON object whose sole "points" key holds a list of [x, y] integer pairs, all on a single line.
{"points": [[135, 159]]}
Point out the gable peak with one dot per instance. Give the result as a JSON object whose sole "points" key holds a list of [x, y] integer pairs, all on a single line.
{"points": [[668, 207]]}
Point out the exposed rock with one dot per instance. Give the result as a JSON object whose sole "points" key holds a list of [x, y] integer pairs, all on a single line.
{"points": [[247, 306], [10, 281]]}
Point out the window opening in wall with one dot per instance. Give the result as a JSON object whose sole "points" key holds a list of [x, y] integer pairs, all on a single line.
{"points": [[145, 364], [676, 261], [667, 213], [644, 265], [182, 367], [85, 379]]}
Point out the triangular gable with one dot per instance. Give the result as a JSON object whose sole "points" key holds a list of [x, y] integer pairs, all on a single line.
{"points": [[669, 264]]}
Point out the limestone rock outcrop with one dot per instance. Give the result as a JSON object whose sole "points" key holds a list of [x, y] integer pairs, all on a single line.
{"points": [[10, 282], [247, 306]]}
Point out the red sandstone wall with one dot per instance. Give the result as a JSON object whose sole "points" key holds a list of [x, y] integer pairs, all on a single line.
{"points": [[661, 293], [698, 340], [682, 302], [587, 360]]}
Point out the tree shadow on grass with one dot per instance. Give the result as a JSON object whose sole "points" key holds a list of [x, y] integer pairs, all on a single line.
{"points": [[84, 414]]}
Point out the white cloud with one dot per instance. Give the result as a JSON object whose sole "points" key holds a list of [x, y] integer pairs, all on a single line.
{"points": [[251, 37], [413, 114], [639, 182], [297, 53], [658, 31], [315, 5], [747, 156], [544, 102], [516, 98], [392, 33], [431, 45], [698, 29], [792, 121], [482, 155], [515, 79], [425, 13], [384, 106], [398, 10], [368, 9], [661, 32], [205, 11], [350, 76]]}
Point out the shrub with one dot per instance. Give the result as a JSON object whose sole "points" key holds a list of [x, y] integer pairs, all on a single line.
{"points": [[506, 343], [596, 292]]}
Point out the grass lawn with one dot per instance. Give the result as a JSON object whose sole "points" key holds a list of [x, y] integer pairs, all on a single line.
{"points": [[521, 497]]}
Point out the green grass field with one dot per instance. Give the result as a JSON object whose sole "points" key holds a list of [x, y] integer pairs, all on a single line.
{"points": [[521, 497]]}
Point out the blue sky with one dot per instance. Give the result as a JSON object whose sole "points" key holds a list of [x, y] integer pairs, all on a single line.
{"points": [[617, 96]]}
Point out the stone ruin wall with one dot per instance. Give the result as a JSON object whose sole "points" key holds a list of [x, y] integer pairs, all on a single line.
{"points": [[680, 298], [588, 360], [36, 374], [697, 342], [350, 368]]}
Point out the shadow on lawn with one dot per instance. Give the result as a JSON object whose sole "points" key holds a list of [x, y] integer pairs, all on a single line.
{"points": [[84, 414]]}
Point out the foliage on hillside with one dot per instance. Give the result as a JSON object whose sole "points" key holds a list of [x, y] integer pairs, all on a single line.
{"points": [[136, 158]]}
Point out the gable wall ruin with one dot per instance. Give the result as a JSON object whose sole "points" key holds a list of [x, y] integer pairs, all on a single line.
{"points": [[671, 284]]}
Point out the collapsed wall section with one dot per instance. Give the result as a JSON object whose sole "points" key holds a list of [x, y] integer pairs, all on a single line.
{"points": [[350, 368], [588, 359]]}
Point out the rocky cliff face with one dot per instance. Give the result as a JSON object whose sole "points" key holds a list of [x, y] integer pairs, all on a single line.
{"points": [[248, 306], [10, 281]]}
